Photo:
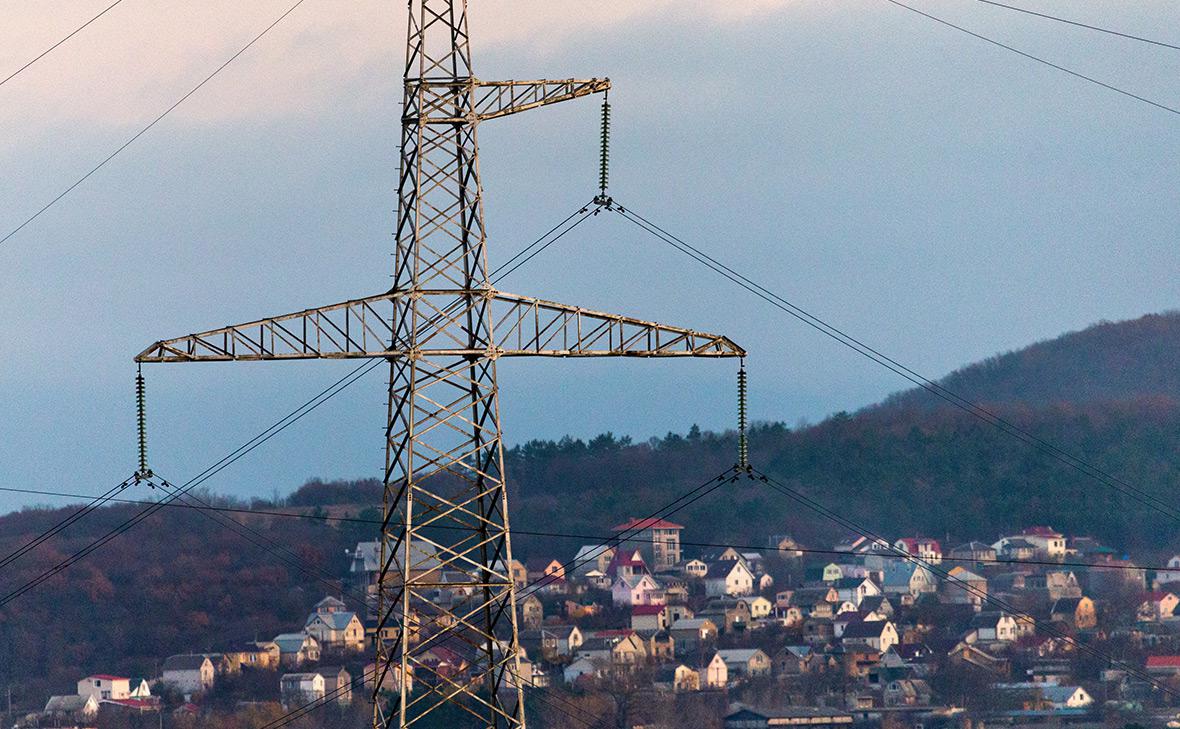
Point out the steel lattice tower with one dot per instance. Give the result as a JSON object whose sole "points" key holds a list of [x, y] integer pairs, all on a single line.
{"points": [[442, 327]]}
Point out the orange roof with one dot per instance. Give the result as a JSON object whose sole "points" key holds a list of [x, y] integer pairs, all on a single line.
{"points": [[649, 523]]}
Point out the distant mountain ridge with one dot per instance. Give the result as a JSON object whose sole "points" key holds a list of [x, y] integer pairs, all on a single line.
{"points": [[1108, 361]]}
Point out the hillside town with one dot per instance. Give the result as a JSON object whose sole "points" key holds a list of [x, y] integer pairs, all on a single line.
{"points": [[1037, 626]]}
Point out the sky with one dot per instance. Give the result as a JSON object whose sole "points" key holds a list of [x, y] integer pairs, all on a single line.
{"points": [[938, 197]]}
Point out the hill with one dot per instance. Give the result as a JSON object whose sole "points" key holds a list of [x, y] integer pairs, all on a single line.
{"points": [[180, 582], [1109, 361]]}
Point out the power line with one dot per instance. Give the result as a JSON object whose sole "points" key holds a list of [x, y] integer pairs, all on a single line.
{"points": [[982, 595], [267, 434], [1065, 457], [151, 124], [51, 48], [1038, 59], [598, 537], [1057, 19]]}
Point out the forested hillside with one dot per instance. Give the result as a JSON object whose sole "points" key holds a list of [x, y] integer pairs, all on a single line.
{"points": [[180, 582]]}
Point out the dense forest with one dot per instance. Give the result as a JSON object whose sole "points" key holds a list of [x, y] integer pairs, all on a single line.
{"points": [[180, 582]]}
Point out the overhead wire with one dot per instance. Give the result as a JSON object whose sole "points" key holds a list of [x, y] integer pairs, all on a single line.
{"points": [[1077, 24], [150, 124], [942, 392], [548, 238], [53, 47], [1038, 59]]}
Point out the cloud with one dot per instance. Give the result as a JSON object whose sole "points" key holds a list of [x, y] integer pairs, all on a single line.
{"points": [[139, 58]]}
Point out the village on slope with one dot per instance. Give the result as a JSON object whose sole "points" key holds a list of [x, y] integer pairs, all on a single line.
{"points": [[860, 631]]}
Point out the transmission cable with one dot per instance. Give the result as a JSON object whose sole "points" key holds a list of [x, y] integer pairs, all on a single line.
{"points": [[1057, 453], [1038, 59], [1075, 23], [51, 48], [331, 391], [322, 518], [151, 124]]}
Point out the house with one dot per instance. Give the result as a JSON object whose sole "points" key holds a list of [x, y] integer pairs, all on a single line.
{"points": [[598, 580], [904, 577], [678, 678], [878, 604], [1053, 585], [188, 674], [263, 655], [728, 613], [794, 660], [835, 570], [994, 626], [544, 570], [695, 568], [139, 689], [691, 633], [907, 692], [729, 577], [815, 601], [1157, 605], [336, 629], [855, 589], [636, 590], [818, 631], [1163, 666], [295, 649], [649, 617], [927, 550], [337, 683], [299, 689], [583, 668], [626, 563], [1077, 612], [71, 708], [1048, 542], [619, 648], [713, 672], [658, 540], [1168, 576], [592, 558], [760, 608], [102, 686], [964, 587], [786, 545], [532, 612], [879, 635], [974, 551], [1066, 697], [519, 574], [750, 662], [1017, 548], [555, 641]]}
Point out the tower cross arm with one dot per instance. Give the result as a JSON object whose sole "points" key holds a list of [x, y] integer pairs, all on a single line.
{"points": [[522, 326], [448, 101]]}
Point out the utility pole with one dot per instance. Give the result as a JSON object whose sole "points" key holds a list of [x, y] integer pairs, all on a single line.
{"points": [[443, 328]]}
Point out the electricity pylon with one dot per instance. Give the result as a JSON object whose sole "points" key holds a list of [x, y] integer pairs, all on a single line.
{"points": [[442, 327]]}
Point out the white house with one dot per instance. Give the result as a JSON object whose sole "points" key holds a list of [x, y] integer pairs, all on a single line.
{"points": [[301, 688], [1048, 542], [994, 626], [880, 635], [636, 590], [72, 707], [695, 568], [580, 668], [731, 577], [189, 674], [1067, 697], [338, 629], [102, 686], [714, 673]]}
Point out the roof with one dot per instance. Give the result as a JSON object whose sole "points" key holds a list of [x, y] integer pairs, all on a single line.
{"points": [[186, 662], [973, 547], [739, 655], [1066, 605], [1163, 661], [987, 620], [367, 557], [1058, 694], [1018, 543], [335, 621], [540, 564], [290, 642], [1041, 531], [330, 602], [911, 544], [68, 702], [107, 677], [691, 623], [865, 629], [723, 569], [647, 609], [648, 523]]}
